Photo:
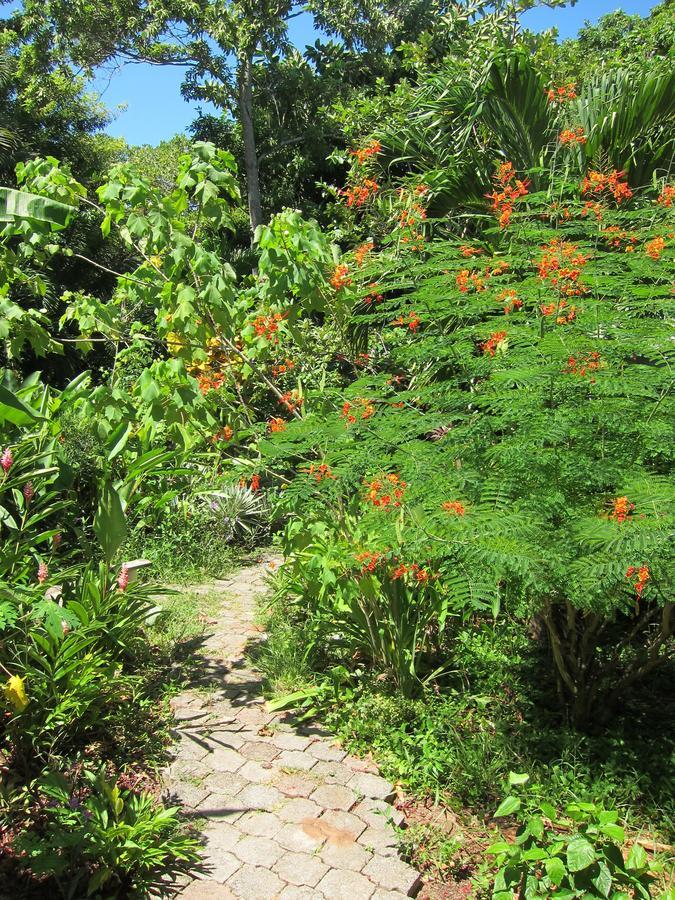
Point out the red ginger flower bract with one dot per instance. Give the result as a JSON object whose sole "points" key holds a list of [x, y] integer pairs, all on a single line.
{"points": [[42, 573], [6, 460], [28, 491], [123, 578]]}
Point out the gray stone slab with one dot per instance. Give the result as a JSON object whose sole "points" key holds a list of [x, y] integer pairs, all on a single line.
{"points": [[299, 837], [256, 883], [290, 741], [263, 824], [298, 809], [300, 869], [393, 874], [257, 850], [373, 786], [344, 821], [338, 884], [345, 856], [380, 840], [294, 785], [221, 865], [327, 752], [334, 796], [332, 772], [207, 890], [295, 759], [260, 796], [378, 813], [260, 751]]}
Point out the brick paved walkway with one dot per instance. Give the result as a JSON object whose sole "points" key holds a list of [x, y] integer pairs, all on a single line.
{"points": [[287, 814]]}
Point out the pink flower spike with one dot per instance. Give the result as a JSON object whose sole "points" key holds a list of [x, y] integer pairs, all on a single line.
{"points": [[123, 578], [42, 573], [6, 460], [56, 540], [28, 491]]}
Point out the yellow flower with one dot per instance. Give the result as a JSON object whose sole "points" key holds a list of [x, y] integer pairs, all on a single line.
{"points": [[15, 693]]}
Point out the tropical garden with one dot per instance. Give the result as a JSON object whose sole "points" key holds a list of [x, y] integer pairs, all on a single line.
{"points": [[402, 309]]}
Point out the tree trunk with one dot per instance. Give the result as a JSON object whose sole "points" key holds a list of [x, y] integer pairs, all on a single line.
{"points": [[244, 77]]}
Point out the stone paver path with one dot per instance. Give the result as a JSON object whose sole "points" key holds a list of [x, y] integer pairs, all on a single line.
{"points": [[286, 813]]}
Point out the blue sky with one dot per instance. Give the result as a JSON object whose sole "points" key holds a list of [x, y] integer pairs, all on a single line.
{"points": [[154, 109]]}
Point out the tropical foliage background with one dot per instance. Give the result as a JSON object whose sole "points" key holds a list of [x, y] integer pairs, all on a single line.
{"points": [[404, 309]]}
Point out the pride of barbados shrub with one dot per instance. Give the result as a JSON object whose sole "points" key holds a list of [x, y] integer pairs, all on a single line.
{"points": [[513, 441]]}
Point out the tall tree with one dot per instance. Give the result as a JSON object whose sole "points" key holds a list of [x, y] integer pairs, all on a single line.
{"points": [[219, 42]]}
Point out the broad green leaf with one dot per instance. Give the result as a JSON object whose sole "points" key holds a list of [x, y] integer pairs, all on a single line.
{"points": [[110, 524], [580, 854], [555, 869], [507, 807]]}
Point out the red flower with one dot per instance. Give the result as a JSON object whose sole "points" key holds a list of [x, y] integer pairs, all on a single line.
{"points": [[621, 509], [364, 153], [569, 136], [599, 184], [454, 507], [655, 247], [42, 573], [6, 460], [643, 576], [562, 93], [276, 424], [508, 190], [361, 252], [496, 341], [255, 482], [123, 578], [392, 485], [412, 322], [28, 491], [340, 277], [667, 195], [320, 472]]}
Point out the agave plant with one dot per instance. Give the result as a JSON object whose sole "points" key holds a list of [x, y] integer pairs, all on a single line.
{"points": [[239, 511]]}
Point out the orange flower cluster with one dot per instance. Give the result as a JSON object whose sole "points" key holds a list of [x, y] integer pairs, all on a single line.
{"points": [[508, 189], [374, 297], [548, 309], [468, 252], [420, 575], [569, 136], [510, 301], [496, 342], [643, 576], [592, 206], [617, 238], [364, 153], [291, 400], [361, 359], [562, 93], [340, 277], [386, 491], [561, 264], [225, 434], [410, 222], [282, 368], [465, 279], [600, 184], [363, 407], [321, 472], [454, 507], [359, 194], [268, 326], [255, 482], [276, 424], [369, 561], [621, 509], [412, 322], [361, 252], [655, 248], [667, 195], [210, 381], [584, 365]]}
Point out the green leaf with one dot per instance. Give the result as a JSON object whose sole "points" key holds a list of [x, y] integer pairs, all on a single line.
{"points": [[637, 858], [14, 410], [22, 205], [518, 778], [110, 524], [603, 880], [580, 854], [555, 869], [507, 807]]}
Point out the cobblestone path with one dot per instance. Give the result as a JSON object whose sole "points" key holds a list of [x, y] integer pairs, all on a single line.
{"points": [[286, 813]]}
